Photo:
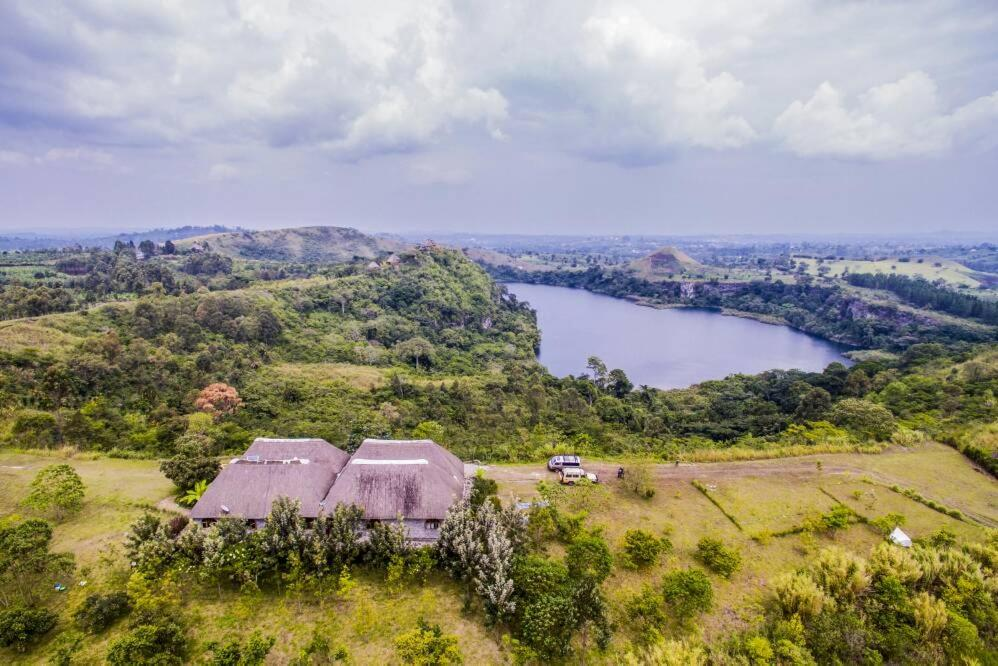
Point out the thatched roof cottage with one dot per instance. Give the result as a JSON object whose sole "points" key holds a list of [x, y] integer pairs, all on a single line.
{"points": [[416, 480]]}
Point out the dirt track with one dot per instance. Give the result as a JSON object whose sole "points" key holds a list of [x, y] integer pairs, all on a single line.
{"points": [[803, 467]]}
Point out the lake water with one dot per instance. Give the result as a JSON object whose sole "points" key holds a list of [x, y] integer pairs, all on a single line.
{"points": [[663, 348]]}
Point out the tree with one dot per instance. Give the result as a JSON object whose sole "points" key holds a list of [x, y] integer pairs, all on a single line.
{"points": [[813, 405], [148, 248], [56, 487], [427, 645], [688, 592], [598, 368], [26, 565], [20, 627], [493, 574], [169, 247], [284, 536], [415, 350], [387, 540], [863, 419], [618, 384], [218, 399], [338, 535], [192, 463]]}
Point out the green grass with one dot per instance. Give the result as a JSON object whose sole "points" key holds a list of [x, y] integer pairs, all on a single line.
{"points": [[949, 271], [766, 496]]}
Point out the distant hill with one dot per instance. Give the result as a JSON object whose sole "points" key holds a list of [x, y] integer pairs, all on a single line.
{"points": [[29, 241], [663, 262], [325, 245]]}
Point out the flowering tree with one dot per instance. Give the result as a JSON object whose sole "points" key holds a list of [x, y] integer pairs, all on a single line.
{"points": [[218, 400]]}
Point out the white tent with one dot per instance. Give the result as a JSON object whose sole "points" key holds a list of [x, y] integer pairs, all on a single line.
{"points": [[900, 538]]}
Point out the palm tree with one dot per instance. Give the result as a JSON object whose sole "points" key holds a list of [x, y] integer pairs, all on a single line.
{"points": [[191, 497]]}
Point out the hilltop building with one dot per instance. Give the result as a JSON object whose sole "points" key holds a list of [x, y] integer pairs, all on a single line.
{"points": [[415, 480]]}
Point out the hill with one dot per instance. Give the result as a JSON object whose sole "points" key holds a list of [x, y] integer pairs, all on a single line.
{"points": [[29, 241], [326, 245], [665, 261]]}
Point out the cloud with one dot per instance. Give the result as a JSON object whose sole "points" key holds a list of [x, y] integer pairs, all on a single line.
{"points": [[223, 171], [890, 121], [13, 158], [633, 83]]}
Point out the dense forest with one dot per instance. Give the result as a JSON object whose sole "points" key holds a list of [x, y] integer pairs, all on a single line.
{"points": [[922, 293]]}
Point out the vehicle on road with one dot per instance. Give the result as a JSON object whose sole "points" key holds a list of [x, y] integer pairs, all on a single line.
{"points": [[561, 462], [569, 476]]}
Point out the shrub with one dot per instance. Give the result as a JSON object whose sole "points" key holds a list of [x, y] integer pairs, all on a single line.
{"points": [[646, 612], [688, 592], [759, 650], [638, 480], [839, 517], [717, 557], [234, 652], [99, 611], [798, 595], [642, 549], [427, 645], [56, 487], [20, 627], [34, 430], [885, 524], [162, 643], [588, 556], [481, 489]]}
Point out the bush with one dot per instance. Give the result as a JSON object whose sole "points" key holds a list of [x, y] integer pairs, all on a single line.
{"points": [[588, 556], [688, 592], [234, 652], [56, 487], [717, 557], [20, 627], [160, 644], [638, 480], [642, 549], [99, 611], [427, 645]]}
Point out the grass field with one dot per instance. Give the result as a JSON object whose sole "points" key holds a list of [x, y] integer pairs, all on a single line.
{"points": [[764, 496], [930, 268]]}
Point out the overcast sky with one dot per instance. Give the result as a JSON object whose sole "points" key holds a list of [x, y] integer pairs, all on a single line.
{"points": [[500, 115]]}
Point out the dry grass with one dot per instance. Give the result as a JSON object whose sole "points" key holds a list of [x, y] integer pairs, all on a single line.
{"points": [[949, 271], [21, 335], [363, 377]]}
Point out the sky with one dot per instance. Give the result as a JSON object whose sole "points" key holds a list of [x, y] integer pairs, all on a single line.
{"points": [[562, 116]]}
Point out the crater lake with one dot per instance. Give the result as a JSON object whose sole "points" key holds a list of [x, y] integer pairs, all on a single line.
{"points": [[663, 348]]}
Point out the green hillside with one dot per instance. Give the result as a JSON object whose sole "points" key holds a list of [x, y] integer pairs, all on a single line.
{"points": [[323, 245]]}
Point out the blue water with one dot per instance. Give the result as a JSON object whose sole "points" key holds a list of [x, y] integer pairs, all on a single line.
{"points": [[663, 348]]}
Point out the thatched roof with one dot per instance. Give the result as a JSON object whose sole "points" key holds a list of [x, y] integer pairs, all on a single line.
{"points": [[313, 450], [415, 479], [247, 489]]}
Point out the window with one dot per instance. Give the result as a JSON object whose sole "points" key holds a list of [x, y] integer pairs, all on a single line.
{"points": [[432, 524]]}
